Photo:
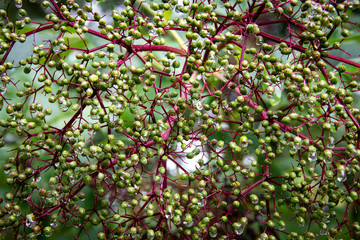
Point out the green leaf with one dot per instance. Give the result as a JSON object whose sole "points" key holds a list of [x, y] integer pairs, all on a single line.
{"points": [[168, 14]]}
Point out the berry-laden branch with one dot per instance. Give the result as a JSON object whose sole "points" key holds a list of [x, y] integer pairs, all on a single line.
{"points": [[179, 119]]}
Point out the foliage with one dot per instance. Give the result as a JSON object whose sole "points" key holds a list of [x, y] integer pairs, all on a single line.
{"points": [[180, 119]]}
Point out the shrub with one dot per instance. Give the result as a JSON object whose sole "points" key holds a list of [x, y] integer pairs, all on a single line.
{"points": [[180, 119]]}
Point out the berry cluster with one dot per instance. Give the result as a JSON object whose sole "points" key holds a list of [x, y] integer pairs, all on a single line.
{"points": [[179, 119]]}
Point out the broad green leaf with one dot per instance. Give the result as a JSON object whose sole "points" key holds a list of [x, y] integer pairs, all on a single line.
{"points": [[168, 14]]}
